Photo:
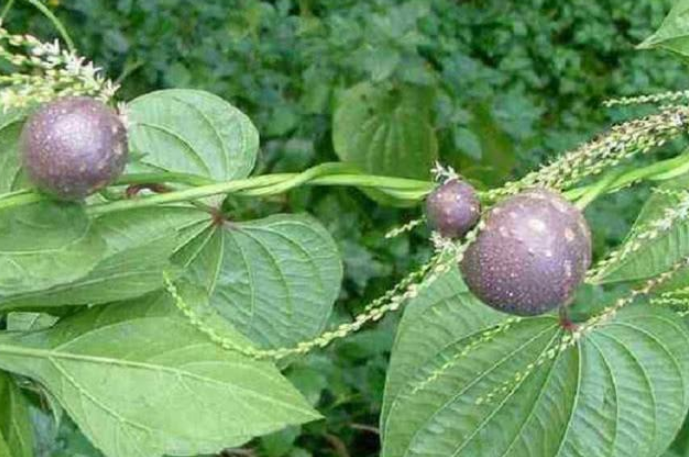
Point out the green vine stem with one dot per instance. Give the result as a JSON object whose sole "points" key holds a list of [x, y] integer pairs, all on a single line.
{"points": [[332, 174], [61, 29], [329, 174], [616, 181]]}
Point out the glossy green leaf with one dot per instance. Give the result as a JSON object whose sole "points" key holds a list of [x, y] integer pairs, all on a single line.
{"points": [[193, 132], [622, 390], [386, 131], [654, 246], [140, 380], [140, 244], [45, 244], [15, 425], [673, 34], [275, 279]]}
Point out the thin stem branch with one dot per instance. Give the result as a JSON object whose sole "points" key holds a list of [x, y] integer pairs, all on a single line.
{"points": [[262, 186], [56, 23], [615, 181], [6, 9]]}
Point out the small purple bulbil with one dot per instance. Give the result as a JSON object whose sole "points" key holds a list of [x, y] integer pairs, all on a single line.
{"points": [[453, 209], [73, 147]]}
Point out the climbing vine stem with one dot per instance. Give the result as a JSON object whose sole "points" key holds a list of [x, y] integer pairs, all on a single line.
{"points": [[330, 174]]}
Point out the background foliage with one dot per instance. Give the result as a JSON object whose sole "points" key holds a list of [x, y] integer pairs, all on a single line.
{"points": [[507, 84]]}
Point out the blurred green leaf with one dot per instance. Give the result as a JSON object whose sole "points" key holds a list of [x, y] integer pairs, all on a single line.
{"points": [[16, 439], [673, 34], [385, 130], [496, 159], [658, 240], [25, 321]]}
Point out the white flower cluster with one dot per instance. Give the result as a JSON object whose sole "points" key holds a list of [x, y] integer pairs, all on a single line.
{"points": [[46, 71], [443, 173]]}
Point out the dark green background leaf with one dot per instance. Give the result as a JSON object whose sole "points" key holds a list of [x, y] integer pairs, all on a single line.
{"points": [[385, 130]]}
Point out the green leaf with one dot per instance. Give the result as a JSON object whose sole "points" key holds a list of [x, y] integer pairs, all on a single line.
{"points": [[497, 156], [10, 163], [654, 247], [140, 244], [275, 279], [416, 340], [193, 132], [45, 244], [4, 448], [468, 391], [673, 34], [15, 426], [385, 130], [25, 322], [140, 380]]}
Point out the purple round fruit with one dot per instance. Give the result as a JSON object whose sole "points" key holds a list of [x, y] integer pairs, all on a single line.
{"points": [[73, 147], [453, 209], [531, 256]]}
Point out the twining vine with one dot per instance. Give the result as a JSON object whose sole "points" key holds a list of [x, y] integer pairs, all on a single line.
{"points": [[46, 72]]}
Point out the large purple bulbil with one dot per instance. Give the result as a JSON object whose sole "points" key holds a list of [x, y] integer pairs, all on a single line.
{"points": [[73, 147], [453, 208], [531, 256]]}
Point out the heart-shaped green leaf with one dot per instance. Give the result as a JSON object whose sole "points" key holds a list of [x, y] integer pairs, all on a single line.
{"points": [[511, 390], [194, 132], [275, 279], [414, 343], [386, 130], [45, 244], [140, 380], [16, 438]]}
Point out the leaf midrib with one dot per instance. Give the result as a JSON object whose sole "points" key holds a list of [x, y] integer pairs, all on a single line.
{"points": [[52, 354]]}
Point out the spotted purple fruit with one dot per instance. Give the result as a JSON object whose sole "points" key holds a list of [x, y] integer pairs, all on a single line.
{"points": [[73, 147], [453, 209], [531, 256]]}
